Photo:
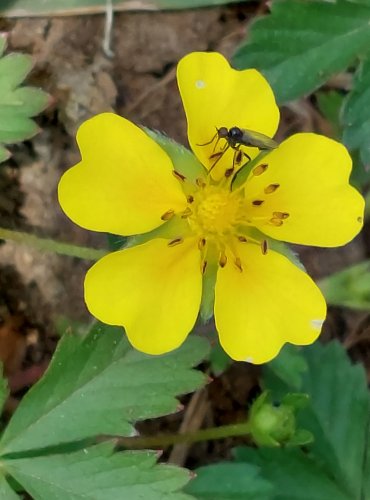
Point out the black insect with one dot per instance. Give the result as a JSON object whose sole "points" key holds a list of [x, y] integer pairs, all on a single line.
{"points": [[236, 137]]}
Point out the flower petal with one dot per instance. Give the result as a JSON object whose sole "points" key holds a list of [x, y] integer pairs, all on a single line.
{"points": [[124, 183], [312, 175], [267, 304], [215, 95], [153, 290]]}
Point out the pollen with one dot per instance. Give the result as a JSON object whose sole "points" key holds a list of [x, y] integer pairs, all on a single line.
{"points": [[214, 212]]}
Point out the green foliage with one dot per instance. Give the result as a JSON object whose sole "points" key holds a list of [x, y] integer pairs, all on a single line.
{"points": [[6, 492], [100, 385], [98, 473], [338, 414], [293, 474], [356, 115], [17, 104], [95, 386], [302, 44], [229, 481], [349, 288]]}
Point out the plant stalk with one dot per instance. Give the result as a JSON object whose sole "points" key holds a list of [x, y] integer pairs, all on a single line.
{"points": [[50, 245], [164, 440]]}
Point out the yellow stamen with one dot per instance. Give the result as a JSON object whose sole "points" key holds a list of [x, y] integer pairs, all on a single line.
{"points": [[175, 242], [168, 215], [260, 169], [271, 188]]}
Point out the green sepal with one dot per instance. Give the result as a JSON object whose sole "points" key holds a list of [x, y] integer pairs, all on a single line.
{"points": [[183, 160]]}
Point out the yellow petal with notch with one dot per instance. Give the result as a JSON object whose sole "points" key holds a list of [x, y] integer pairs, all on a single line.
{"points": [[307, 180], [124, 183], [153, 290], [269, 303], [216, 95]]}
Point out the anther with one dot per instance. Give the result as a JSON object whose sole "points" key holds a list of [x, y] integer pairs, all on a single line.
{"points": [[264, 247], [242, 239], [190, 198], [200, 182], [257, 203], [276, 222], [271, 188], [204, 266], [280, 215], [201, 243], [179, 176], [168, 215], [238, 264], [229, 172], [259, 169], [186, 213], [223, 260], [175, 242]]}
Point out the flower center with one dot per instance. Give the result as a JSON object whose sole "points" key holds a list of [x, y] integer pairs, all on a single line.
{"points": [[214, 212]]}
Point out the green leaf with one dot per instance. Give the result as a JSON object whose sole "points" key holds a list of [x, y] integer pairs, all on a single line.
{"points": [[348, 288], [293, 474], [13, 70], [4, 390], [100, 385], [366, 485], [338, 413], [97, 473], [24, 101], [6, 492], [3, 43], [15, 128], [330, 104], [229, 481], [289, 367], [17, 104], [356, 115], [25, 8], [300, 45]]}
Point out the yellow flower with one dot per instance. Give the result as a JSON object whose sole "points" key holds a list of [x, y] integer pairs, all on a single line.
{"points": [[126, 184]]}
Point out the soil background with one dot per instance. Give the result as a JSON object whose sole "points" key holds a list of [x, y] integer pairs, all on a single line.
{"points": [[39, 292]]}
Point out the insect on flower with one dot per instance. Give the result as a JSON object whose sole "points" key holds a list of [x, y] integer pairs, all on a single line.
{"points": [[236, 137]]}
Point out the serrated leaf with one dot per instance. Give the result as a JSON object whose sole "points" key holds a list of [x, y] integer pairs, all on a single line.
{"points": [[349, 287], [14, 128], [330, 103], [25, 8], [13, 70], [6, 492], [293, 474], [101, 385], [337, 415], [229, 481], [288, 367], [3, 43], [4, 390], [97, 473], [356, 114], [337, 418], [300, 45], [24, 101]]}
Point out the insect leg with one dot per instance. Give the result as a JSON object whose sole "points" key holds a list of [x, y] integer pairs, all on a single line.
{"points": [[210, 142], [219, 156]]}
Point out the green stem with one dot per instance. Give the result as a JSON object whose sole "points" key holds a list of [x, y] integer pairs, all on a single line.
{"points": [[161, 441], [50, 245]]}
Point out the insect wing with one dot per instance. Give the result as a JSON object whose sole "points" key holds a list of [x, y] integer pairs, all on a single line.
{"points": [[258, 140]]}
